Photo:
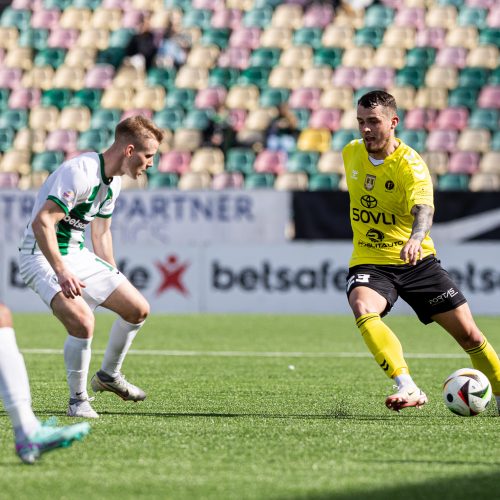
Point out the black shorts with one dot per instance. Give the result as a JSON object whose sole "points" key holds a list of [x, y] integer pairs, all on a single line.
{"points": [[426, 286]]}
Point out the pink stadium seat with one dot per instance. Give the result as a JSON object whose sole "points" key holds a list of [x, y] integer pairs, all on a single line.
{"points": [[23, 98], [493, 19], [421, 118], [46, 19], [208, 4], [442, 140], [116, 4], [245, 38], [210, 97], [413, 17], [489, 97], [226, 18], [10, 78], [228, 180], [379, 77], [234, 57], [62, 140], [430, 37], [452, 118], [63, 38], [132, 18], [22, 4], [455, 57], [348, 77], [464, 162], [175, 161], [237, 118], [99, 76], [9, 180], [305, 98], [146, 112], [318, 16], [482, 4], [272, 162], [325, 118]]}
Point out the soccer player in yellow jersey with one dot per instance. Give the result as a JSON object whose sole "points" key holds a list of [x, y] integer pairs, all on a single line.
{"points": [[391, 210]]}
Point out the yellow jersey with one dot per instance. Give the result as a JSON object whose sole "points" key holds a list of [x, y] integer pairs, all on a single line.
{"points": [[381, 198]]}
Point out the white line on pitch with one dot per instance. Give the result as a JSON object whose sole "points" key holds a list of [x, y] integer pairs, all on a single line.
{"points": [[251, 354]]}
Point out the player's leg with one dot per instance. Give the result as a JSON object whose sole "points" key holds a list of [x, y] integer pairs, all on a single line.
{"points": [[461, 325], [78, 319], [32, 438], [132, 309]]}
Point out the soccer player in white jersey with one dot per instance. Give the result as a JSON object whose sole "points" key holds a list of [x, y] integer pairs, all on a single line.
{"points": [[391, 206], [32, 437], [71, 279]]}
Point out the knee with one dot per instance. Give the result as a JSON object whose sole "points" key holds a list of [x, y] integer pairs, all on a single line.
{"points": [[82, 326], [472, 338], [5, 317], [360, 307], [138, 313]]}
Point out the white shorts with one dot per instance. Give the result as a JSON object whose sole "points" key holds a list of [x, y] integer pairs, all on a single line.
{"points": [[100, 278]]}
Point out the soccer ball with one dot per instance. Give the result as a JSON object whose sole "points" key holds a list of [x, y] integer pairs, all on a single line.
{"points": [[467, 392]]}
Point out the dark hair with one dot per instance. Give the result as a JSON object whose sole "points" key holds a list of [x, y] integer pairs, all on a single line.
{"points": [[138, 129], [378, 98]]}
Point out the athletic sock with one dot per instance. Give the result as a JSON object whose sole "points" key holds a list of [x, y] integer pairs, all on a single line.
{"points": [[383, 344], [14, 386], [120, 339], [485, 359], [77, 359]]}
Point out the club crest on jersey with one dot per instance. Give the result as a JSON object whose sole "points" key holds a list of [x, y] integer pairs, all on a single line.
{"points": [[370, 182]]}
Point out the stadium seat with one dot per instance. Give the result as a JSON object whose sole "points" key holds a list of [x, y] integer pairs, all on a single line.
{"points": [[336, 36], [483, 56], [24, 98], [441, 16], [16, 18], [187, 139], [6, 138], [105, 118], [273, 36], [285, 77], [421, 118], [287, 16], [64, 38], [260, 118], [273, 162], [490, 163], [453, 182], [171, 118], [410, 17], [254, 75], [369, 36], [474, 140], [162, 180], [379, 16], [484, 182], [462, 36], [430, 37], [314, 140], [115, 98], [463, 96], [436, 98], [441, 76], [455, 57], [240, 160], [203, 56], [414, 138], [14, 118], [437, 161], [259, 181], [94, 140], [489, 97], [297, 56], [464, 162], [327, 56], [47, 161], [399, 37], [217, 35], [10, 37], [318, 16], [273, 97], [454, 118], [194, 181], [88, 97], [325, 118], [209, 160], [228, 180], [487, 118], [266, 57], [81, 57], [472, 16], [390, 57], [35, 38], [16, 161], [258, 17], [473, 77], [181, 97], [175, 162], [75, 118], [303, 161], [9, 180], [358, 56], [291, 181], [44, 118], [324, 182], [317, 76], [67, 77], [442, 140]]}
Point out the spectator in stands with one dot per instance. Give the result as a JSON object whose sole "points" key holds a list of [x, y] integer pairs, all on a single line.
{"points": [[174, 46], [142, 47], [219, 133], [32, 437], [282, 133], [392, 208]]}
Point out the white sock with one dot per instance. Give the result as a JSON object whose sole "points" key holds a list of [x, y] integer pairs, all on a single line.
{"points": [[14, 386], [404, 380], [120, 339], [77, 360]]}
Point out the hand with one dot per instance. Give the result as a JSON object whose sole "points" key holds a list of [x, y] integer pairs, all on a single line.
{"points": [[71, 286], [411, 252]]}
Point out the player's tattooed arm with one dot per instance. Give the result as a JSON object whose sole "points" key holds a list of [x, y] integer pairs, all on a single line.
{"points": [[422, 221]]}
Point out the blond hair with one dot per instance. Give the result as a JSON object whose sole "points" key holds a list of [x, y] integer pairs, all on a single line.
{"points": [[137, 129]]}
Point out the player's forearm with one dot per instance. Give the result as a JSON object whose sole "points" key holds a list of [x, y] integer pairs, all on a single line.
{"points": [[103, 247], [46, 238], [422, 221]]}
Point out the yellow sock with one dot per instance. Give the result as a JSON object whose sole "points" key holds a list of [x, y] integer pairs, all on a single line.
{"points": [[383, 344], [485, 359]]}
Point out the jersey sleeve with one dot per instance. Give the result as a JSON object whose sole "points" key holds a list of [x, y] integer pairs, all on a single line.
{"points": [[417, 181], [107, 207], [69, 187]]}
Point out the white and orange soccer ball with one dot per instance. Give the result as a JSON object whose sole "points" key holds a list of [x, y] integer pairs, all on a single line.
{"points": [[467, 392]]}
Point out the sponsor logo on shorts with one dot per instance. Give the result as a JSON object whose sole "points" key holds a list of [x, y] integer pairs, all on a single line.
{"points": [[451, 292]]}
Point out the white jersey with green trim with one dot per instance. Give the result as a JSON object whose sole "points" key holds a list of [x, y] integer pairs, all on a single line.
{"points": [[81, 189]]}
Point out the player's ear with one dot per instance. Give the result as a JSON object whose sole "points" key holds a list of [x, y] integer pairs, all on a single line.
{"points": [[129, 150], [394, 121]]}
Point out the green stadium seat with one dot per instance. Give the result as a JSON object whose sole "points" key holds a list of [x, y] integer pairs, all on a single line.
{"points": [[51, 56], [57, 4], [121, 37], [484, 118], [181, 4], [273, 97], [91, 98], [17, 18], [162, 180], [161, 76], [490, 36], [343, 137], [34, 38], [455, 3], [463, 96], [360, 92], [254, 75], [328, 56], [472, 16], [258, 17], [421, 56], [94, 139], [60, 98], [473, 77], [224, 77], [111, 55], [240, 160], [494, 77], [258, 4], [308, 36], [265, 57], [47, 161], [303, 161], [378, 16], [198, 119], [197, 18], [87, 4], [302, 115], [7, 135], [14, 118], [371, 36], [4, 98], [453, 182], [324, 182], [259, 181], [495, 141], [415, 138], [412, 76], [183, 97], [216, 36], [106, 119], [170, 118]]}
